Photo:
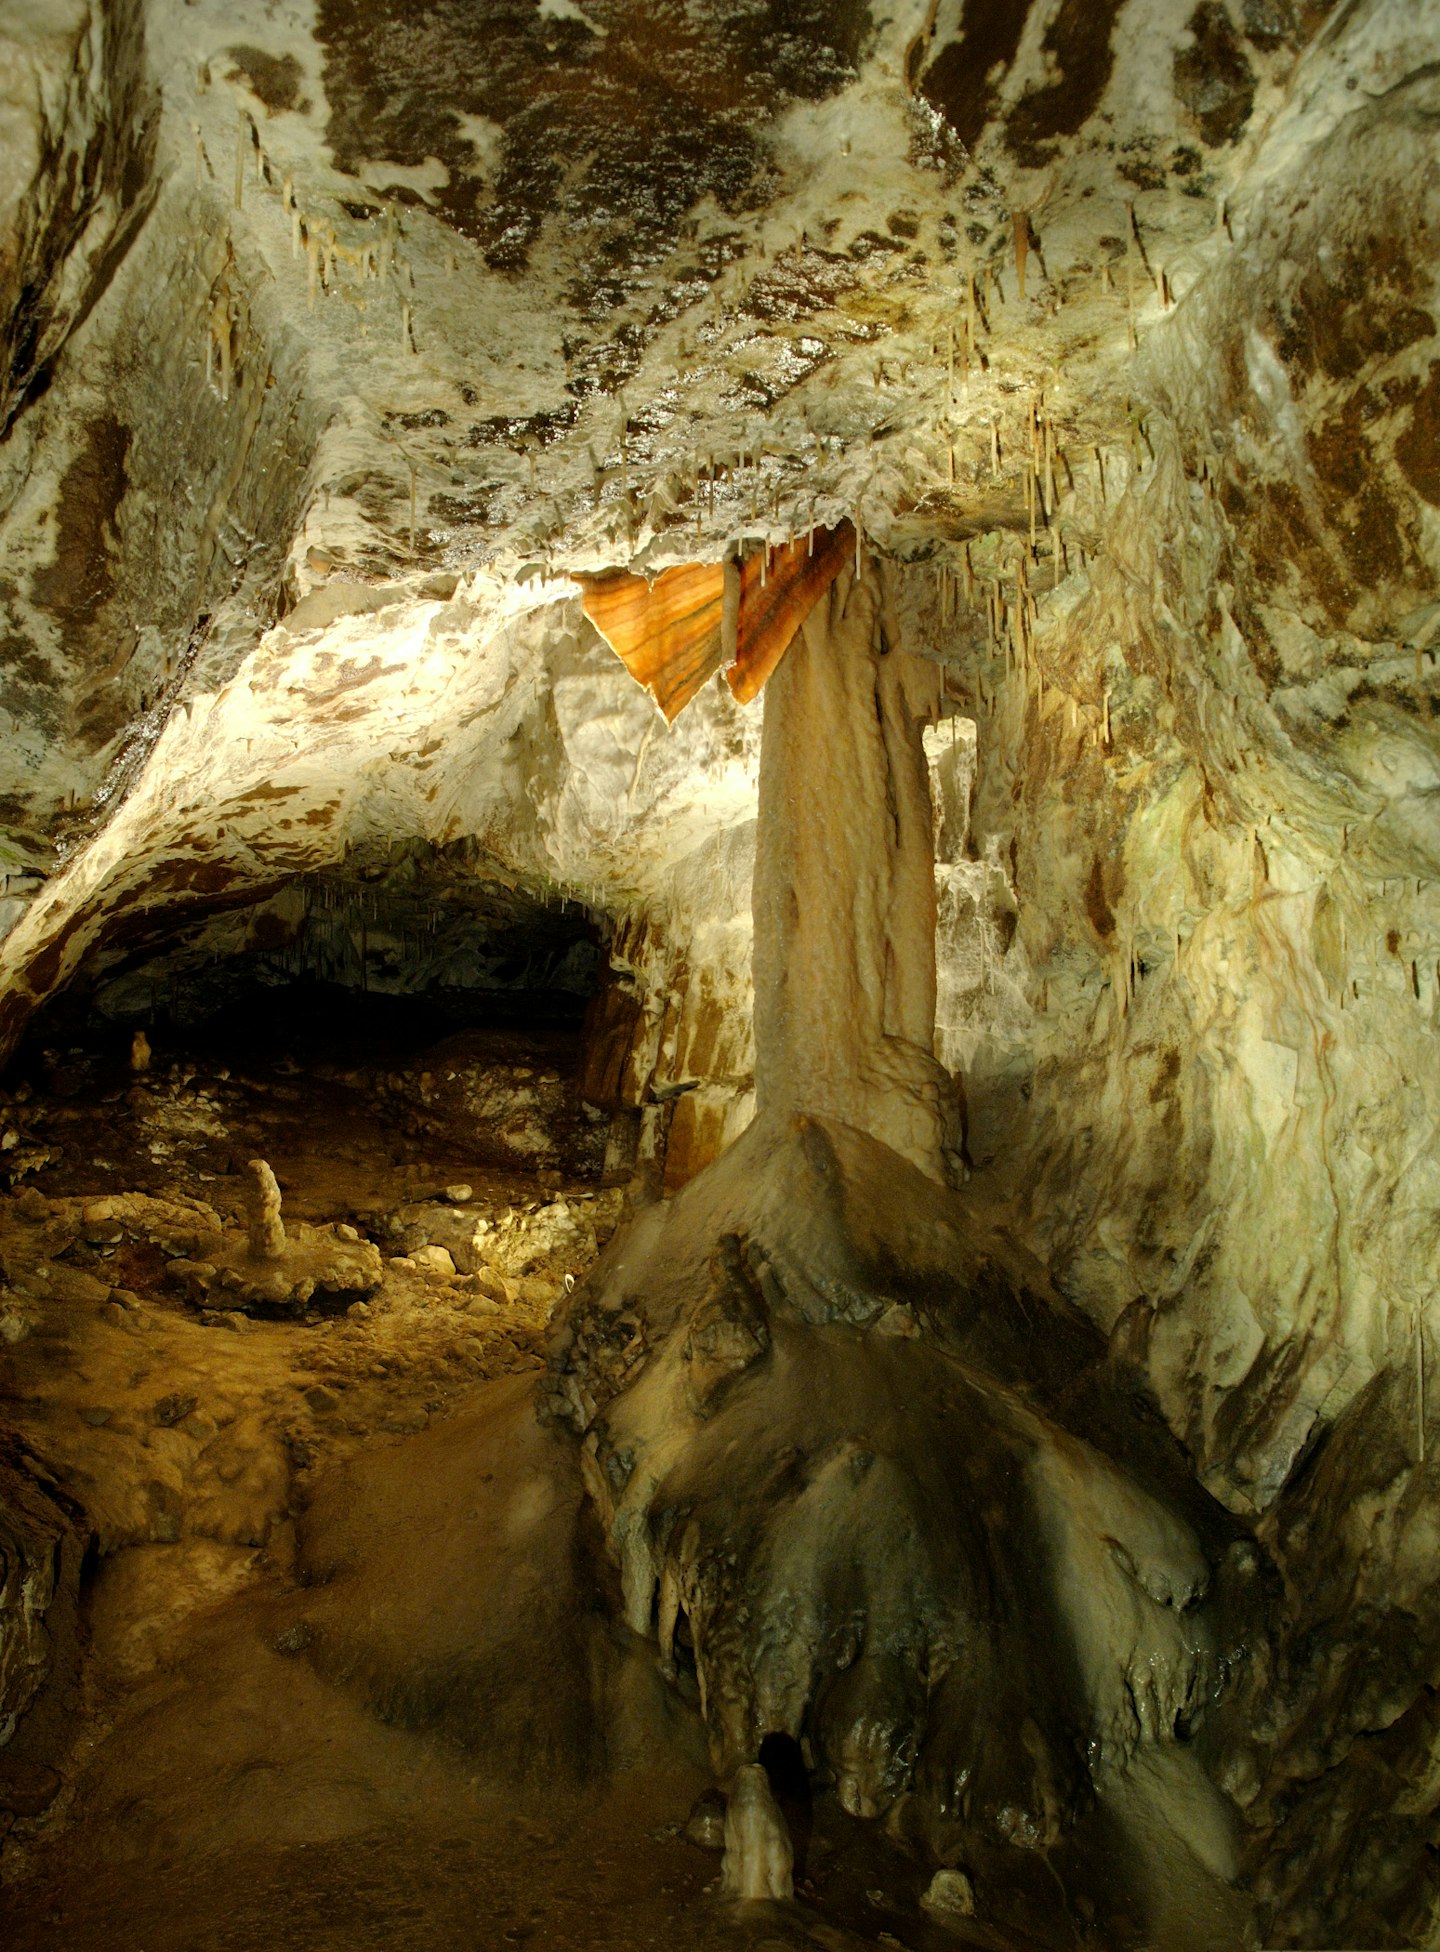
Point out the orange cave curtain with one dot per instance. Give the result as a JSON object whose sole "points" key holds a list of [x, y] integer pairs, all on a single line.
{"points": [[674, 633]]}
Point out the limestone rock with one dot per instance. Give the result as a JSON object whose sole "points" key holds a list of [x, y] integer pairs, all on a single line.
{"points": [[759, 1857], [705, 1825], [949, 1897], [315, 1260], [187, 1228], [834, 1509], [40, 1553], [262, 1202]]}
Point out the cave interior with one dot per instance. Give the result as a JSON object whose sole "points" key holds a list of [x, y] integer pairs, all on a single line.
{"points": [[719, 974]]}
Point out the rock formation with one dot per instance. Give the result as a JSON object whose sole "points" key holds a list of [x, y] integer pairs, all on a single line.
{"points": [[265, 1225], [456, 463], [759, 1862], [902, 1503]]}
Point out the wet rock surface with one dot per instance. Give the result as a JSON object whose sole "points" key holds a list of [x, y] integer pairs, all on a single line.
{"points": [[876, 1491], [335, 341]]}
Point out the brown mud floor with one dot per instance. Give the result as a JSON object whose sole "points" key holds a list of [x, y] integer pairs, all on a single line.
{"points": [[343, 1668], [424, 1733]]}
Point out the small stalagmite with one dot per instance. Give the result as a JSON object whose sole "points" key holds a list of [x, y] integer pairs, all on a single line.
{"points": [[759, 1857], [262, 1211]]}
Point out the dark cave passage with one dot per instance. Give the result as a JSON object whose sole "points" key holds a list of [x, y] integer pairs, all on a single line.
{"points": [[444, 1017]]}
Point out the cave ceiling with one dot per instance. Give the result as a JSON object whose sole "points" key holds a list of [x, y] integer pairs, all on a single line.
{"points": [[343, 336]]}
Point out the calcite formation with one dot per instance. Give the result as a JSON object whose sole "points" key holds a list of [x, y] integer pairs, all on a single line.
{"points": [[1061, 383], [759, 1857], [878, 1471], [699, 618], [844, 964], [266, 1226]]}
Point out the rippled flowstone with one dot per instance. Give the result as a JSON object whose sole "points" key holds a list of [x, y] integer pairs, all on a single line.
{"points": [[960, 1563]]}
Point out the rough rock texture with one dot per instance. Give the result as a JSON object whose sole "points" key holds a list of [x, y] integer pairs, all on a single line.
{"points": [[79, 123], [860, 1458], [39, 1574], [335, 339], [312, 1261]]}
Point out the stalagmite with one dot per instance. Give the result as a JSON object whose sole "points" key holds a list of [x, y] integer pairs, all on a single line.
{"points": [[759, 1858], [262, 1204]]}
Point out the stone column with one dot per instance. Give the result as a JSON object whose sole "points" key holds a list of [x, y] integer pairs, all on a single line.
{"points": [[262, 1205], [844, 893]]}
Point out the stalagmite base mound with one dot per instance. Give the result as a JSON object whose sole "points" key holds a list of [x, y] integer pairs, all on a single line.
{"points": [[854, 1459]]}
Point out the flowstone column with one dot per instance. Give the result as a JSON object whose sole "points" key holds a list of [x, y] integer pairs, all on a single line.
{"points": [[844, 894], [854, 1460]]}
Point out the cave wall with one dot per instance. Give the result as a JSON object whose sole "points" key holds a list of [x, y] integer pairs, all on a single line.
{"points": [[1208, 1076], [1211, 771], [1114, 330]]}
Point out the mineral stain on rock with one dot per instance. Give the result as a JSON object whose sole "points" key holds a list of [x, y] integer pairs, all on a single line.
{"points": [[961, 80], [273, 78], [1078, 42], [617, 121], [1212, 76], [80, 579], [1418, 447]]}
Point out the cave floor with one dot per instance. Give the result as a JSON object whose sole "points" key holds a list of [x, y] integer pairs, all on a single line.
{"points": [[345, 1671]]}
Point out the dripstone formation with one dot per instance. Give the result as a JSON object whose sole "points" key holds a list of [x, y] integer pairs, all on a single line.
{"points": [[719, 966]]}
